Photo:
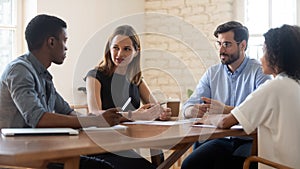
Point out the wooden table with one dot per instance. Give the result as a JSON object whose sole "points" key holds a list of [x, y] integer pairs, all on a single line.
{"points": [[38, 151]]}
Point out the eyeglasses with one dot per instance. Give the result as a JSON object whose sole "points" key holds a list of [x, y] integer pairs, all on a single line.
{"points": [[225, 44]]}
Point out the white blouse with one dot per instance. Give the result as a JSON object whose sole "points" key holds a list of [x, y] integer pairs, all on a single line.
{"points": [[274, 109]]}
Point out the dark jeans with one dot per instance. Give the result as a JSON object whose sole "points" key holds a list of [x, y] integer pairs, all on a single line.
{"points": [[85, 163], [220, 153], [121, 160], [128, 159]]}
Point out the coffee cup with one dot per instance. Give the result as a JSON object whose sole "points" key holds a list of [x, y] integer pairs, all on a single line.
{"points": [[174, 104]]}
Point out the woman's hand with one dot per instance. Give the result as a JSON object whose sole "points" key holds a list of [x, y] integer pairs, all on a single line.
{"points": [[211, 119], [147, 112], [223, 121], [165, 114]]}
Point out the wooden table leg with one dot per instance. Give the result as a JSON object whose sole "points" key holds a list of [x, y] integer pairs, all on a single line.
{"points": [[157, 156], [174, 156], [254, 144], [71, 163]]}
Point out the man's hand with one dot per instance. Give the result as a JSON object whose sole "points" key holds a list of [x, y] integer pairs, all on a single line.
{"points": [[106, 118], [216, 107], [111, 116], [196, 111]]}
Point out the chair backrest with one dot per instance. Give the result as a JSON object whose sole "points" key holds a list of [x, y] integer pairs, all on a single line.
{"points": [[263, 161], [81, 108]]}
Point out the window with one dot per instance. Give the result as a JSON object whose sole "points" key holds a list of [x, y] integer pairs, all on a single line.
{"points": [[8, 31], [260, 16]]}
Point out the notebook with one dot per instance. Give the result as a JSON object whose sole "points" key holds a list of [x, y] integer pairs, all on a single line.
{"points": [[38, 131]]}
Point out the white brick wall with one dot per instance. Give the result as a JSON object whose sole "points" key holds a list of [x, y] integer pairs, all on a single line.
{"points": [[177, 50]]}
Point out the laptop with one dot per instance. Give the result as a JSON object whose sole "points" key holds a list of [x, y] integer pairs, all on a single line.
{"points": [[38, 131]]}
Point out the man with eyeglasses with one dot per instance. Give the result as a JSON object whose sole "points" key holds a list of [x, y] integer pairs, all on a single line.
{"points": [[221, 88]]}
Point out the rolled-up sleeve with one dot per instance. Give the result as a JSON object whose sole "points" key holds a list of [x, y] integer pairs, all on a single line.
{"points": [[61, 106], [247, 126], [22, 86]]}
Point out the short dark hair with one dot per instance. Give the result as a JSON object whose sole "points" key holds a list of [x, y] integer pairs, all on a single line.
{"points": [[283, 50], [240, 32], [40, 28]]}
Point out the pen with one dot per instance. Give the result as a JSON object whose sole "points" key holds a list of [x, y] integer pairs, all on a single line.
{"points": [[126, 104], [163, 103], [159, 104]]}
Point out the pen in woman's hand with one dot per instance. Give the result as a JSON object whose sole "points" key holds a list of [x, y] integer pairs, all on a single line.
{"points": [[126, 104], [162, 103], [151, 105]]}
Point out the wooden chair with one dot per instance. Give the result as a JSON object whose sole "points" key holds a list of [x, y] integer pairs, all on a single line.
{"points": [[80, 107], [251, 159]]}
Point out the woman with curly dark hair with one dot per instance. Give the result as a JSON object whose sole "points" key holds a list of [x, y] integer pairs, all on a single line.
{"points": [[274, 107], [282, 45]]}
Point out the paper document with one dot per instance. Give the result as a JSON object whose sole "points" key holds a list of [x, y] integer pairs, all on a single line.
{"points": [[204, 125], [115, 127], [212, 126], [163, 123], [238, 126]]}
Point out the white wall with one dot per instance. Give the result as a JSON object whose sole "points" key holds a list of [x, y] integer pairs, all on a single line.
{"points": [[84, 18]]}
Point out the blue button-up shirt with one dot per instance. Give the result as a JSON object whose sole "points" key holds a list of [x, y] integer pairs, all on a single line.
{"points": [[230, 88], [27, 92]]}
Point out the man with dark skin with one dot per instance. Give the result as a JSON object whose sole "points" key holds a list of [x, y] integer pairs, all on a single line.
{"points": [[28, 98]]}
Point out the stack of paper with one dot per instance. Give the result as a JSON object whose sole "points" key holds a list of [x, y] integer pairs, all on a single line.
{"points": [[116, 127]]}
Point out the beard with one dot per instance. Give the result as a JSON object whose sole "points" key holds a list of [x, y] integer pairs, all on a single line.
{"points": [[231, 58]]}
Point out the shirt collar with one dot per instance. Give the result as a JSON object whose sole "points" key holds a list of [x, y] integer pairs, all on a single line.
{"points": [[240, 68], [282, 74], [39, 67]]}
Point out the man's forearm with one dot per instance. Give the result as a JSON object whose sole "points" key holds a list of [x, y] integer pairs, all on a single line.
{"points": [[187, 112], [58, 120]]}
